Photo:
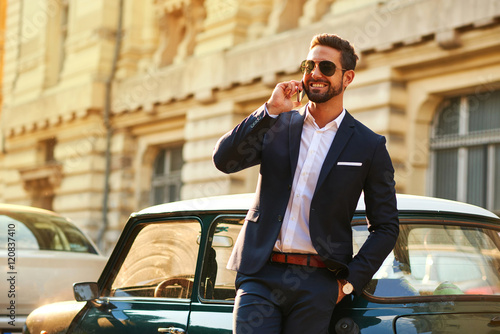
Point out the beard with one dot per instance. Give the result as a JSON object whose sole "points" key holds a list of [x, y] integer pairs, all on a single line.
{"points": [[317, 97]]}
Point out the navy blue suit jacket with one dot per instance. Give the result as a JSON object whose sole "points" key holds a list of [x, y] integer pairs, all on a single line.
{"points": [[274, 144]]}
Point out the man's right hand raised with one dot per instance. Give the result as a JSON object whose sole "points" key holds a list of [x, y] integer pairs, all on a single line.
{"points": [[282, 99]]}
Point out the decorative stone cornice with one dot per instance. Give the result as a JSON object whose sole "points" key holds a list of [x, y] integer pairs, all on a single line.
{"points": [[51, 109], [376, 28]]}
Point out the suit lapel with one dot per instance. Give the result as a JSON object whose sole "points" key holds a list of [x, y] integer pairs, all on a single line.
{"points": [[343, 135], [295, 134]]}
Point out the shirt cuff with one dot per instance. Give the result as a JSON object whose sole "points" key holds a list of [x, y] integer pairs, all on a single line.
{"points": [[267, 111]]}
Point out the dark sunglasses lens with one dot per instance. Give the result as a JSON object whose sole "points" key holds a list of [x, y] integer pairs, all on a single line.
{"points": [[327, 68], [307, 66]]}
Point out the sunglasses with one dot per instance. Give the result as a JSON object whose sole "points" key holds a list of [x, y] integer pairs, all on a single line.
{"points": [[325, 66]]}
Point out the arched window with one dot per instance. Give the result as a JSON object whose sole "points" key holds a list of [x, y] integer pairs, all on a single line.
{"points": [[465, 148], [167, 182]]}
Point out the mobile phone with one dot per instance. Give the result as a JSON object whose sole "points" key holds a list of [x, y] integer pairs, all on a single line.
{"points": [[301, 94]]}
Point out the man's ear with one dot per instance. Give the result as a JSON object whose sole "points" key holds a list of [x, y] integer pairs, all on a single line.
{"points": [[348, 78]]}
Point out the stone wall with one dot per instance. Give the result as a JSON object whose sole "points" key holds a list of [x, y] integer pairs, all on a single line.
{"points": [[188, 71]]}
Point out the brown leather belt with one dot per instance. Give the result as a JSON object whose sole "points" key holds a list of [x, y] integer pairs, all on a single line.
{"points": [[310, 260]]}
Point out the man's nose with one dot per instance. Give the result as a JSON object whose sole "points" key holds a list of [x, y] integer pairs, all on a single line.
{"points": [[316, 71]]}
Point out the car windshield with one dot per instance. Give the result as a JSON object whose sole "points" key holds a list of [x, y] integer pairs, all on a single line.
{"points": [[38, 231], [439, 258], [161, 261]]}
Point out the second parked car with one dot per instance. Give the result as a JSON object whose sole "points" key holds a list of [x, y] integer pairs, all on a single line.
{"points": [[42, 254]]}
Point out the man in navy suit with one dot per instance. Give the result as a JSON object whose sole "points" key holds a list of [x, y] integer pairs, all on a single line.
{"points": [[294, 255]]}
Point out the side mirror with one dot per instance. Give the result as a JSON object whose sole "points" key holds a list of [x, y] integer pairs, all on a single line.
{"points": [[85, 291]]}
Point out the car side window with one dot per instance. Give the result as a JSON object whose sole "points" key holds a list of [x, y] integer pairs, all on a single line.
{"points": [[45, 232], [161, 261], [217, 282], [440, 259], [25, 238]]}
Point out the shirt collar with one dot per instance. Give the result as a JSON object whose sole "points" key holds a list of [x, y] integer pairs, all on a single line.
{"points": [[336, 122]]}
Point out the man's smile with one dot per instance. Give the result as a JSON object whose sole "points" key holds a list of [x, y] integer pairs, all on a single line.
{"points": [[318, 84]]}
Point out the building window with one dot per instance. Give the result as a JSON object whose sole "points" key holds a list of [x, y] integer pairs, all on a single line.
{"points": [[46, 149], [465, 147], [167, 182]]}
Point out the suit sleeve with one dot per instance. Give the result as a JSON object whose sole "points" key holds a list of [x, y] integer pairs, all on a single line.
{"points": [[241, 147], [382, 216]]}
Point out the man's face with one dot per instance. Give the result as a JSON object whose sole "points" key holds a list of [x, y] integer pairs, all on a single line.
{"points": [[319, 87]]}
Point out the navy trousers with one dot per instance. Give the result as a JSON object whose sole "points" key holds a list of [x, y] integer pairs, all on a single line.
{"points": [[283, 298]]}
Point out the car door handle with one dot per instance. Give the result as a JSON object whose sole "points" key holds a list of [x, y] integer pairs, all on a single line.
{"points": [[171, 330]]}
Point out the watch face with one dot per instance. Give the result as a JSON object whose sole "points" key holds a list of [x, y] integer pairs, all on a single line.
{"points": [[347, 288]]}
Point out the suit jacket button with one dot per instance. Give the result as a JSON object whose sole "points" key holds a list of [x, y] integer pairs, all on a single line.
{"points": [[280, 218]]}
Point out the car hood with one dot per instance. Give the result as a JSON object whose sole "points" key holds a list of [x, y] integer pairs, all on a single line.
{"points": [[53, 318], [43, 277]]}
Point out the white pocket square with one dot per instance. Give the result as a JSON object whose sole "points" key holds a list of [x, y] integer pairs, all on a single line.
{"points": [[346, 163]]}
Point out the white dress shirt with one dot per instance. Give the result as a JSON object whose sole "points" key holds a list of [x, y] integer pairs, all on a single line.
{"points": [[314, 146]]}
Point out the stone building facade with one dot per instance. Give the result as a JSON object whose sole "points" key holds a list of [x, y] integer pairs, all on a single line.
{"points": [[113, 105]]}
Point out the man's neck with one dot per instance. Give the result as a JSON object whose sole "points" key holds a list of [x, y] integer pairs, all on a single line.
{"points": [[326, 112]]}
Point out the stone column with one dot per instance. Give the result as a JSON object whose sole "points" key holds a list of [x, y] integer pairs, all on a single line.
{"points": [[378, 99], [204, 126]]}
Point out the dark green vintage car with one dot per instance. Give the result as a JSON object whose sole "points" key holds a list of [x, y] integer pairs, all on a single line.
{"points": [[168, 274]]}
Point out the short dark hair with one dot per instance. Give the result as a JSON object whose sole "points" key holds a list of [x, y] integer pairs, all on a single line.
{"points": [[348, 55]]}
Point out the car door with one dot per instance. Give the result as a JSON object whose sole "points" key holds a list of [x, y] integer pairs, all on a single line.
{"points": [[212, 311], [148, 284], [441, 277]]}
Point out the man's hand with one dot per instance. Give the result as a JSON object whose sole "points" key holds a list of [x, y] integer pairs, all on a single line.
{"points": [[282, 98], [341, 293]]}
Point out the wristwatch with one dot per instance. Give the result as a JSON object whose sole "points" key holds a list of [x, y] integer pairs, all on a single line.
{"points": [[347, 287]]}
